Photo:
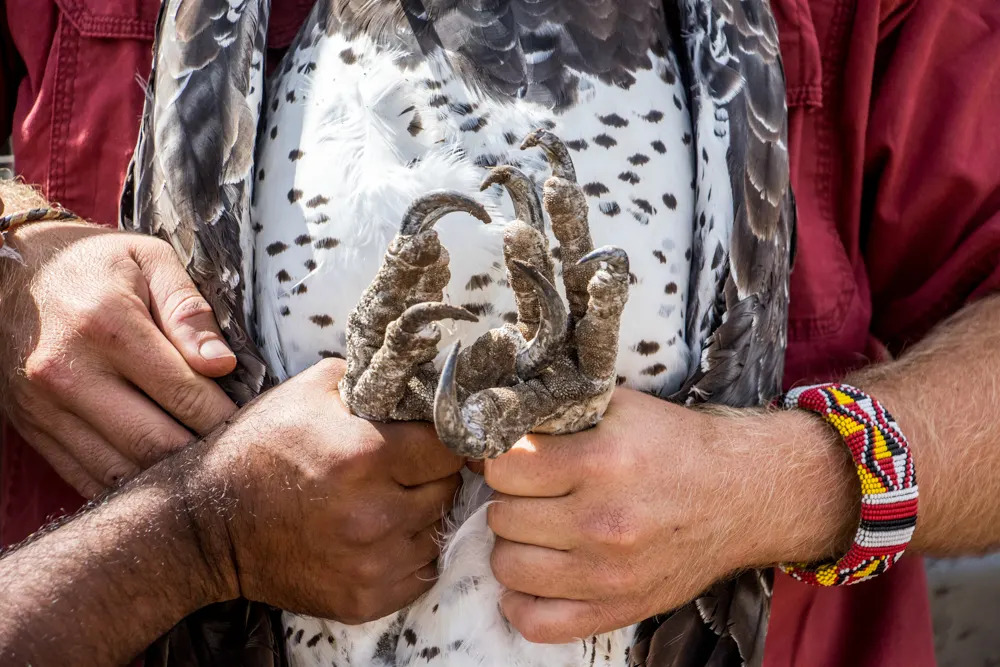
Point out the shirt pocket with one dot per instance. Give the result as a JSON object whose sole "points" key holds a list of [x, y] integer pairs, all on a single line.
{"points": [[101, 55], [112, 19]]}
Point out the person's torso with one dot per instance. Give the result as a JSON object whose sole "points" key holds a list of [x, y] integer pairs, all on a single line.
{"points": [[75, 124]]}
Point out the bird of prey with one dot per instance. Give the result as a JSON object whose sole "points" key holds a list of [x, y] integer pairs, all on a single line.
{"points": [[630, 159]]}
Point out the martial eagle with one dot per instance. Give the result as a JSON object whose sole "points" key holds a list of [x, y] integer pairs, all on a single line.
{"points": [[630, 157]]}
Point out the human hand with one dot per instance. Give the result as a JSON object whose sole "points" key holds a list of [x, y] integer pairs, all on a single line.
{"points": [[108, 350], [607, 527], [319, 512]]}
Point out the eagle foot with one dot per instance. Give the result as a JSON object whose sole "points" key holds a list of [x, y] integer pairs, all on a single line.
{"points": [[565, 359], [392, 336], [552, 371]]}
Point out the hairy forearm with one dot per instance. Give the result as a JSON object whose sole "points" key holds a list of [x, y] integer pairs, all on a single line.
{"points": [[945, 395], [794, 493], [100, 588]]}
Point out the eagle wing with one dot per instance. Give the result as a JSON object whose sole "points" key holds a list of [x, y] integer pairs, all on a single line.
{"points": [[733, 68], [189, 183], [743, 361]]}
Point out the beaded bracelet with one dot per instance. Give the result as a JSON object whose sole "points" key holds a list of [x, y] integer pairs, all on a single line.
{"points": [[888, 483]]}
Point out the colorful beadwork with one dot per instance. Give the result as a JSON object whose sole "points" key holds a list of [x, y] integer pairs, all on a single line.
{"points": [[888, 483]]}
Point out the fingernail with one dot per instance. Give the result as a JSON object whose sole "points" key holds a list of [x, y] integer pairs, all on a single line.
{"points": [[214, 349]]}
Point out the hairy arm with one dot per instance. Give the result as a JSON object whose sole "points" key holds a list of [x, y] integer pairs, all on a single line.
{"points": [[216, 519], [104, 585], [659, 501], [945, 395]]}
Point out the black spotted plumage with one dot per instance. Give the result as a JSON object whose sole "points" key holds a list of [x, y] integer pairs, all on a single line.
{"points": [[190, 183]]}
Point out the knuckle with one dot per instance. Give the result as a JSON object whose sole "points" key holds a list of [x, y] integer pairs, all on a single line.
{"points": [[99, 319], [363, 464], [366, 528], [496, 472], [51, 371], [504, 566], [149, 444], [151, 246], [536, 630], [624, 461], [369, 570], [185, 399], [608, 461], [186, 304], [591, 464], [612, 527], [616, 578], [331, 368], [149, 250], [496, 517]]}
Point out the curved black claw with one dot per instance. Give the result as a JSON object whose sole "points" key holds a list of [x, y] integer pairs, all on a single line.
{"points": [[448, 422], [430, 208], [419, 315], [551, 326], [555, 151], [527, 205], [614, 256]]}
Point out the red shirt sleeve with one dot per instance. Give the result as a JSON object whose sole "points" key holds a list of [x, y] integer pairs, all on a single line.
{"points": [[931, 195]]}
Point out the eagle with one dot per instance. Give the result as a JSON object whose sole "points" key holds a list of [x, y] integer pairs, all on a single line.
{"points": [[629, 159]]}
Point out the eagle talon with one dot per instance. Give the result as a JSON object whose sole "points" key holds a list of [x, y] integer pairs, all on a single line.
{"points": [[418, 316], [427, 210], [525, 241], [609, 254], [551, 335], [389, 344], [565, 374], [448, 420], [527, 206], [555, 151], [553, 372]]}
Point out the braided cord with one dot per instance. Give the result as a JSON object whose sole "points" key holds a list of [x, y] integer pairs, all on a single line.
{"points": [[10, 222]]}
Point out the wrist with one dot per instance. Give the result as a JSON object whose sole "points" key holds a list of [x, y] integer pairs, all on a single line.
{"points": [[203, 509], [797, 492], [40, 240]]}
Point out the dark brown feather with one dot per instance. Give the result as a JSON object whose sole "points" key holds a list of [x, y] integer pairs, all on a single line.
{"points": [[189, 184], [514, 48], [743, 358]]}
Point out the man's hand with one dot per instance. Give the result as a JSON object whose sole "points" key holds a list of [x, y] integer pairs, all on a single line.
{"points": [[604, 528], [321, 512], [297, 503], [108, 350]]}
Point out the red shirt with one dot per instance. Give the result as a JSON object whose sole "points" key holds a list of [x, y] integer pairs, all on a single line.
{"points": [[895, 161]]}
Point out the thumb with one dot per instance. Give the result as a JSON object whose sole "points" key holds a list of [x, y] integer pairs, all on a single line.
{"points": [[183, 314]]}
